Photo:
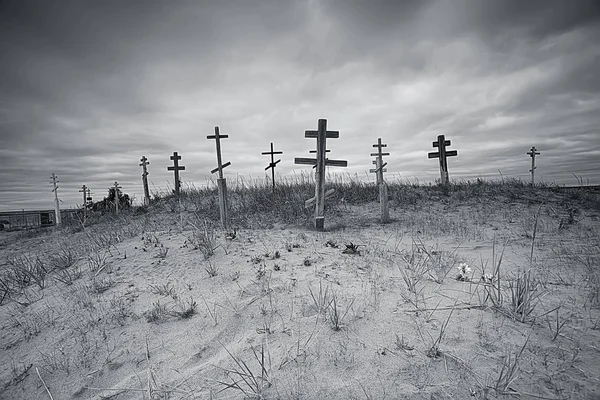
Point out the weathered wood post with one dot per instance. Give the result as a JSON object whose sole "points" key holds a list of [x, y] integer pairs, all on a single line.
{"points": [[117, 200], [144, 163], [84, 189], [442, 154], [176, 167], [532, 153], [379, 170], [273, 163], [56, 204], [320, 162], [221, 182]]}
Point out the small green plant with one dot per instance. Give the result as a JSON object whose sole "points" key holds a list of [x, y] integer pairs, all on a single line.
{"points": [[99, 286], [166, 290], [157, 313], [162, 252], [307, 262], [212, 270], [351, 249], [524, 296], [256, 259]]}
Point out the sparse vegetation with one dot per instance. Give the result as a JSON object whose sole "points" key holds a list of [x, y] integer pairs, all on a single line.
{"points": [[457, 278]]}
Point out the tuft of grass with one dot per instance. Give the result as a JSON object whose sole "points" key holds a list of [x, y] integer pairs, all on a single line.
{"points": [[186, 310], [336, 315], [509, 371], [434, 351], [524, 296], [244, 379], [157, 313], [321, 299]]}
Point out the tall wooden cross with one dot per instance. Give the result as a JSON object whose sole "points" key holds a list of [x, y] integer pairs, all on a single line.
{"points": [[117, 199], [221, 182], [532, 153], [144, 163], [379, 170], [442, 154], [273, 163], [320, 162], [176, 167], [84, 189], [56, 205]]}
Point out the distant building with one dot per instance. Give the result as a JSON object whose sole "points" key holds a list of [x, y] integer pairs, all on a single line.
{"points": [[30, 219]]}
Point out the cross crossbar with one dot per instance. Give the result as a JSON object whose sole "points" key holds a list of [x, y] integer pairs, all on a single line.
{"points": [[313, 161], [379, 154], [313, 200], [446, 143], [436, 154], [227, 164], [328, 134]]}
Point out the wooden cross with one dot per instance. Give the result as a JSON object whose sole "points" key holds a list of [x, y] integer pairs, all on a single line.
{"points": [[532, 153], [145, 162], [221, 182], [442, 154], [117, 200], [84, 189], [379, 170], [320, 162], [56, 204], [273, 163], [176, 167]]}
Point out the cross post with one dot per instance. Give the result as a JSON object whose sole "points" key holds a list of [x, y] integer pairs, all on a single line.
{"points": [[117, 200], [144, 163], [443, 155], [320, 162], [56, 205], [176, 167], [84, 189], [379, 170], [221, 182], [273, 163], [532, 153]]}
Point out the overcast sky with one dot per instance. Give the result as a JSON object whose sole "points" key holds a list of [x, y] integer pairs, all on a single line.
{"points": [[88, 87]]}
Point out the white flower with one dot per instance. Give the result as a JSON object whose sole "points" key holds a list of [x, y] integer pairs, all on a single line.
{"points": [[464, 268]]}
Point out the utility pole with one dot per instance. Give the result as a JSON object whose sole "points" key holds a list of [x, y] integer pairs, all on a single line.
{"points": [[56, 205]]}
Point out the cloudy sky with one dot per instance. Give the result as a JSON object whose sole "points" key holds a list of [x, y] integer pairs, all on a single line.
{"points": [[88, 87]]}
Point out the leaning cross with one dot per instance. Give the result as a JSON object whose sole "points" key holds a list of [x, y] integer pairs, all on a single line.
{"points": [[379, 170], [442, 154], [176, 167], [221, 182], [144, 163], [320, 162], [273, 163], [532, 153]]}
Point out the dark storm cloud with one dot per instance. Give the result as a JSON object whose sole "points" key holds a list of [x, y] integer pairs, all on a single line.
{"points": [[87, 87]]}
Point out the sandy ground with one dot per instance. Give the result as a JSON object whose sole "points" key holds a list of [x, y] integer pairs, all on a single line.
{"points": [[289, 313]]}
